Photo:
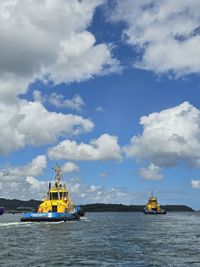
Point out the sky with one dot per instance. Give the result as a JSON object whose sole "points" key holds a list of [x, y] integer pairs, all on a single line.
{"points": [[107, 89]]}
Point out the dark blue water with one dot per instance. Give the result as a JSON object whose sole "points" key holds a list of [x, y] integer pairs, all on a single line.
{"points": [[103, 239]]}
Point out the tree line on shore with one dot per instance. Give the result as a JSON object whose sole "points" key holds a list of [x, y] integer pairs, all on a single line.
{"points": [[15, 205]]}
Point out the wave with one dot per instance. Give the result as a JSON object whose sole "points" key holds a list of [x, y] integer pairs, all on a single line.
{"points": [[85, 219], [7, 224]]}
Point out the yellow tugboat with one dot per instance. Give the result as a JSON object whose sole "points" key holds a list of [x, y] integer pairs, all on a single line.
{"points": [[57, 205], [152, 206]]}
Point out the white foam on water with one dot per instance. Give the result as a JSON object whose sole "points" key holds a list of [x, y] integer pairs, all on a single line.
{"points": [[53, 222], [85, 219], [14, 224], [58, 222]]}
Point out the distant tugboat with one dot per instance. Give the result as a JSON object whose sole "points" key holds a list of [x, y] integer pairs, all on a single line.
{"points": [[152, 207], [57, 205], [2, 210]]}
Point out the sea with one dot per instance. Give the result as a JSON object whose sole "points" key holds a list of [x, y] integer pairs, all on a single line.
{"points": [[102, 239]]}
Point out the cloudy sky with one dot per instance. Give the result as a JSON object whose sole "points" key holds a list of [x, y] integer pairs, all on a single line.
{"points": [[109, 90]]}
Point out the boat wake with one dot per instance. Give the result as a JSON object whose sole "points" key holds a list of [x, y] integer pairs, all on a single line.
{"points": [[53, 222], [27, 224], [85, 219], [15, 224]]}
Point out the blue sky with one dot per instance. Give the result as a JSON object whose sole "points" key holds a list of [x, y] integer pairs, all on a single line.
{"points": [[110, 91]]}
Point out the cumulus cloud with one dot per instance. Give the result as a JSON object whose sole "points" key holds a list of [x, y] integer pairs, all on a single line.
{"points": [[36, 167], [100, 109], [28, 188], [17, 174], [88, 59], [70, 167], [35, 184], [169, 137], [152, 172], [58, 100], [195, 184], [83, 193], [49, 39], [31, 123], [76, 103], [164, 33], [20, 182], [106, 147]]}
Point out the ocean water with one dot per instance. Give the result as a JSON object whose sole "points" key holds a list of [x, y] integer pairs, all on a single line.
{"points": [[102, 239]]}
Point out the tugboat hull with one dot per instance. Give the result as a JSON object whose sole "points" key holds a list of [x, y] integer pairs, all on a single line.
{"points": [[154, 212], [1, 210], [52, 216]]}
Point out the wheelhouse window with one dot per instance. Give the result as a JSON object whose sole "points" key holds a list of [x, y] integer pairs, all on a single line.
{"points": [[65, 194], [54, 196], [54, 208], [58, 195]]}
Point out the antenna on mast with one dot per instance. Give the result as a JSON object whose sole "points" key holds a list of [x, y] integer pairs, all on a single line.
{"points": [[58, 176]]}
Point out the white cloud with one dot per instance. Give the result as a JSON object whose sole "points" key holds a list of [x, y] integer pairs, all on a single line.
{"points": [[195, 184], [30, 123], [104, 148], [152, 172], [35, 184], [28, 188], [17, 174], [100, 109], [88, 59], [164, 32], [84, 193], [19, 182], [36, 167], [169, 137], [49, 39], [58, 100], [103, 174], [76, 103], [10, 87], [69, 167], [32, 188], [38, 97]]}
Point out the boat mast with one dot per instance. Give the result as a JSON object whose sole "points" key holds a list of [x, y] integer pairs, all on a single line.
{"points": [[58, 179], [58, 176], [49, 192]]}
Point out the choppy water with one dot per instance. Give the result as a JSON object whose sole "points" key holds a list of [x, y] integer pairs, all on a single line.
{"points": [[102, 239]]}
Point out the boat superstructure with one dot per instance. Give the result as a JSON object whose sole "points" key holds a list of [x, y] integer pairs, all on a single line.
{"points": [[153, 207], [57, 205]]}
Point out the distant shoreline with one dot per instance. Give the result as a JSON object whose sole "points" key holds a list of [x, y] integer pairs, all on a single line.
{"points": [[101, 207], [18, 206]]}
